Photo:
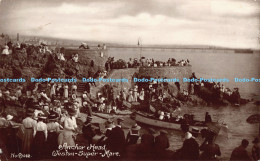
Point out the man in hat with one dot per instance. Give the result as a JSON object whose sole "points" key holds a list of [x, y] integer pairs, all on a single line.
{"points": [[240, 153], [161, 144], [207, 118], [145, 149], [256, 150], [190, 147], [133, 135], [210, 149], [118, 141], [88, 130]]}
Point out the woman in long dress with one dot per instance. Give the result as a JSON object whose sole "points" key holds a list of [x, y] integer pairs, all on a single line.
{"points": [[40, 137], [53, 90], [66, 91], [27, 139], [53, 128], [70, 126]]}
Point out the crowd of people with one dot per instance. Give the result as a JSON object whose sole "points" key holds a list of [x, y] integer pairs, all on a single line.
{"points": [[134, 62], [215, 92]]}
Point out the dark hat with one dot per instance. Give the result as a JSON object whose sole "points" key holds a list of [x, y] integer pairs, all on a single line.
{"points": [[195, 130], [36, 106], [256, 140], [53, 116], [41, 116], [71, 111], [30, 112]]}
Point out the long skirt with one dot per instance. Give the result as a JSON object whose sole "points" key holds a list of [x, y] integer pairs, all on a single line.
{"points": [[66, 137], [66, 93], [27, 141], [39, 144], [52, 142]]}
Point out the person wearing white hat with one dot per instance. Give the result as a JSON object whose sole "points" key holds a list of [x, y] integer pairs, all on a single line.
{"points": [[161, 115], [9, 117], [5, 51], [70, 126]]}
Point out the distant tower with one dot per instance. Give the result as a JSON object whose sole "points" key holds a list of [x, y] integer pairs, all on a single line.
{"points": [[17, 36]]}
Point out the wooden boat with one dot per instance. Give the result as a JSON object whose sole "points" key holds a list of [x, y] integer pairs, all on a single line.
{"points": [[149, 119], [112, 115]]}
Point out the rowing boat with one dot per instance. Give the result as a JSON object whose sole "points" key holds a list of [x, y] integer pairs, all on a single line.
{"points": [[112, 115], [149, 119]]}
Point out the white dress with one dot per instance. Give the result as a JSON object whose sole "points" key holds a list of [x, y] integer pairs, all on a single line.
{"points": [[67, 134]]}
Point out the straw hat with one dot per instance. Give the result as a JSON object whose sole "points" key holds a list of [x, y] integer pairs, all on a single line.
{"points": [[9, 117], [195, 130], [109, 123], [135, 127]]}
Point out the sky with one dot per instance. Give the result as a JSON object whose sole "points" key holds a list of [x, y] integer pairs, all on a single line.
{"points": [[227, 23]]}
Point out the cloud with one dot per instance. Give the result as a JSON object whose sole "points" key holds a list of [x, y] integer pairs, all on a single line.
{"points": [[231, 23]]}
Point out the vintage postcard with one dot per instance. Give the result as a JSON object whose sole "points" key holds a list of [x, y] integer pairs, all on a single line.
{"points": [[130, 80]]}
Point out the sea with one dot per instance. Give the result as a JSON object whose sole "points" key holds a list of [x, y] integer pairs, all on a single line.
{"points": [[211, 64]]}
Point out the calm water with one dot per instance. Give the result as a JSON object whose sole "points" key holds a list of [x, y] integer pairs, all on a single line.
{"points": [[215, 65]]}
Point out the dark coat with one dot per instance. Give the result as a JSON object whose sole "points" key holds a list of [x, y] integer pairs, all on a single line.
{"points": [[240, 153], [132, 139], [189, 150], [116, 140], [161, 142], [88, 132]]}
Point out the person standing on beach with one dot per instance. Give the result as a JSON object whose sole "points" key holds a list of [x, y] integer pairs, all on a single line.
{"points": [[240, 153]]}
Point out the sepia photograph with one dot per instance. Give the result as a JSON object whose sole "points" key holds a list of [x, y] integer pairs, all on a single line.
{"points": [[174, 80]]}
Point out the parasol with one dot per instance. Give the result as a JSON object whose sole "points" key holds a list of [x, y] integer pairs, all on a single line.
{"points": [[221, 131]]}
